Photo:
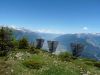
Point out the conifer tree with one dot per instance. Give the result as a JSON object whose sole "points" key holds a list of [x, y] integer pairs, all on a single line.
{"points": [[23, 43], [5, 40]]}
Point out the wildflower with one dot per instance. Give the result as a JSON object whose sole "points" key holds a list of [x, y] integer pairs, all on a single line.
{"points": [[6, 72], [19, 55], [85, 74], [12, 70], [55, 61], [88, 72]]}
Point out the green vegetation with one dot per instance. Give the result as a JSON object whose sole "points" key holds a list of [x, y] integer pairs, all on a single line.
{"points": [[33, 64], [5, 41], [65, 56], [23, 43], [21, 62], [27, 60], [32, 50]]}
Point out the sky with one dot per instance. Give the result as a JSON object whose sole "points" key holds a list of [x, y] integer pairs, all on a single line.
{"points": [[52, 16]]}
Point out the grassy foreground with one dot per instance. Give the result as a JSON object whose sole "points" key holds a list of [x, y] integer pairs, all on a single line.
{"points": [[25, 63]]}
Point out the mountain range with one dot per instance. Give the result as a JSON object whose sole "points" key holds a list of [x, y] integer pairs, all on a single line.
{"points": [[91, 41]]}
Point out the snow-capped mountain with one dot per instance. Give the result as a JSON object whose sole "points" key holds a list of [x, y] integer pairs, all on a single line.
{"points": [[32, 35]]}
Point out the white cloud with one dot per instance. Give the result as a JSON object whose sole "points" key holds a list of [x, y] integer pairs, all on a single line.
{"points": [[13, 26], [49, 31], [44, 30], [85, 28]]}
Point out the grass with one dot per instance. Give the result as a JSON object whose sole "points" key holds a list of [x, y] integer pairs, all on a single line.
{"points": [[4, 67], [50, 65]]}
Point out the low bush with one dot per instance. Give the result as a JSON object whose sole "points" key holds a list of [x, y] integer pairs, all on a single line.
{"points": [[64, 56], [89, 63], [23, 43], [44, 51], [33, 64], [92, 62], [97, 64], [87, 59], [3, 53], [33, 50]]}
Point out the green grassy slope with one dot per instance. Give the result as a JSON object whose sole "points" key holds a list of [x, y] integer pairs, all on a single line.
{"points": [[43, 63]]}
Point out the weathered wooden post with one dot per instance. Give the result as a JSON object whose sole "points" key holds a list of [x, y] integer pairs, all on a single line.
{"points": [[39, 43], [77, 48], [52, 46]]}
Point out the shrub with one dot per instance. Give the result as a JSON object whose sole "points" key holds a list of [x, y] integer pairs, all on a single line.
{"points": [[87, 59], [33, 50], [33, 64], [23, 43], [92, 62], [15, 43], [44, 51], [97, 64], [89, 63], [3, 53], [64, 56]]}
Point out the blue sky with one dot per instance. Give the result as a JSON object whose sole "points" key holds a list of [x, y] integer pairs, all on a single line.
{"points": [[56, 16]]}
